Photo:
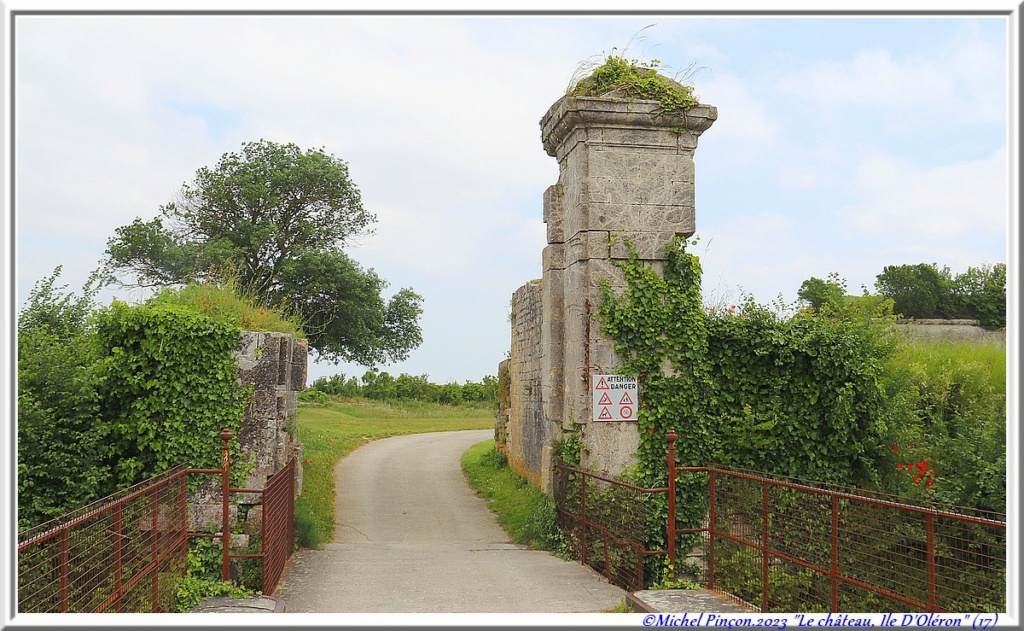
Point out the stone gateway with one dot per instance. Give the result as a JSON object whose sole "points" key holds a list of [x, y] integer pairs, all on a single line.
{"points": [[626, 172]]}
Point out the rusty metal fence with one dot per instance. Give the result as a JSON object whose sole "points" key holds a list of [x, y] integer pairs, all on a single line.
{"points": [[121, 554], [604, 520], [277, 533], [786, 545], [126, 552]]}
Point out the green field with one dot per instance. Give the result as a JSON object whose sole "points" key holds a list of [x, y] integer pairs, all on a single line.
{"points": [[330, 431]]}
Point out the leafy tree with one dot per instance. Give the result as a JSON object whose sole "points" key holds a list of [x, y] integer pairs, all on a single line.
{"points": [[819, 292], [344, 315], [982, 291], [276, 217], [925, 291], [59, 460], [918, 291]]}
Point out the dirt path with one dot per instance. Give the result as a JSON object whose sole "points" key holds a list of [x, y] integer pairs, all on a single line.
{"points": [[411, 536]]}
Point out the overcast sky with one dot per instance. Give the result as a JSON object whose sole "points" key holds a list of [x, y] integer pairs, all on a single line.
{"points": [[842, 144]]}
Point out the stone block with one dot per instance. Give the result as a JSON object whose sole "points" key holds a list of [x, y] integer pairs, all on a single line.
{"points": [[649, 246], [610, 447], [554, 213], [645, 140], [300, 358], [553, 258], [621, 216]]}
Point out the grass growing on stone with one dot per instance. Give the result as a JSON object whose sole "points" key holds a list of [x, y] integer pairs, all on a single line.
{"points": [[331, 431], [526, 514]]}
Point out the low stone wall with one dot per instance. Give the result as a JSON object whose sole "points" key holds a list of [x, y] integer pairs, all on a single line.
{"points": [[951, 330], [274, 366]]}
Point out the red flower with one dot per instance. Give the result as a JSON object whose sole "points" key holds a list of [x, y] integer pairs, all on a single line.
{"points": [[899, 466], [895, 448], [929, 484], [916, 479]]}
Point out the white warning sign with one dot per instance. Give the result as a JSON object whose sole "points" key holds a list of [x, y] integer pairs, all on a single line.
{"points": [[616, 398]]}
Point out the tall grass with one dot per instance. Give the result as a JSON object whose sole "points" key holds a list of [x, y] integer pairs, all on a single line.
{"points": [[331, 431], [985, 360], [227, 302], [956, 420]]}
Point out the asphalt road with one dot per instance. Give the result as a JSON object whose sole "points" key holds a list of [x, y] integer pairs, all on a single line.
{"points": [[411, 536]]}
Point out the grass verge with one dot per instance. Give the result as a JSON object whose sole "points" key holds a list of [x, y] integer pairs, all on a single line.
{"points": [[331, 431], [526, 513]]}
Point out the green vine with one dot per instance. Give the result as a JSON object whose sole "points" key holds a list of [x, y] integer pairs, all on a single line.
{"points": [[745, 387], [636, 80], [168, 383]]}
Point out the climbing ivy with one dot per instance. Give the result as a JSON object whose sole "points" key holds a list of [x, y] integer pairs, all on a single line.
{"points": [[168, 383], [743, 386]]}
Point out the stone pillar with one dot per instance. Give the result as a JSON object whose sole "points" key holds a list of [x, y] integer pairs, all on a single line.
{"points": [[274, 366], [625, 171]]}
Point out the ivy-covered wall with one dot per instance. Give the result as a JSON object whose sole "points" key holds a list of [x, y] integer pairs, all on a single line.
{"points": [[803, 396], [271, 368]]}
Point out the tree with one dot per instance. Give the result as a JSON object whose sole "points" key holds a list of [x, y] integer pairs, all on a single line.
{"points": [[277, 218], [59, 462], [819, 292], [982, 292], [918, 291]]}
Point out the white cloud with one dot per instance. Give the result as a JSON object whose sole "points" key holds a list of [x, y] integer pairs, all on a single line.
{"points": [[900, 200], [743, 117], [949, 84]]}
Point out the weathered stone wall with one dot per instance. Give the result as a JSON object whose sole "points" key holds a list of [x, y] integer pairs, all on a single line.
{"points": [[274, 365], [626, 172], [525, 441], [952, 330]]}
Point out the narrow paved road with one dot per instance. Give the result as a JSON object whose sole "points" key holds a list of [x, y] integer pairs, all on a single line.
{"points": [[411, 536]]}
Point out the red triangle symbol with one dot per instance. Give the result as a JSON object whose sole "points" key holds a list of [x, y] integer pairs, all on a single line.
{"points": [[601, 385], [605, 414], [625, 400], [605, 399]]}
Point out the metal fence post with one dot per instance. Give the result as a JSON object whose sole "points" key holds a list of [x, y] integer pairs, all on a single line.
{"points": [[226, 435], [834, 578], [932, 587], [118, 557], [711, 531], [64, 570], [670, 527], [154, 550], [764, 552], [583, 519]]}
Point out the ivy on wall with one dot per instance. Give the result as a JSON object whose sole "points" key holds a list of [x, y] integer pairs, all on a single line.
{"points": [[169, 384], [744, 387]]}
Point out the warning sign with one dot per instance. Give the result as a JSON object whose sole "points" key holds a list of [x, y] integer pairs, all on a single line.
{"points": [[615, 398]]}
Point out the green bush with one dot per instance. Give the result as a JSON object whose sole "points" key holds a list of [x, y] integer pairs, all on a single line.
{"points": [[111, 396], [60, 466], [203, 577]]}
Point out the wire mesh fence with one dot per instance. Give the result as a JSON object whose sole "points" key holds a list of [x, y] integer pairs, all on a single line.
{"points": [[121, 554], [784, 546], [127, 552], [604, 520]]}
